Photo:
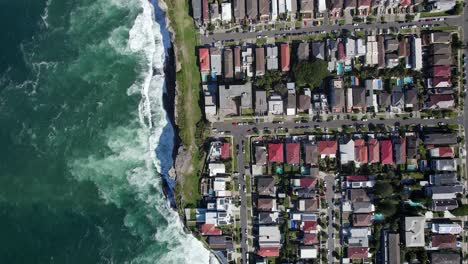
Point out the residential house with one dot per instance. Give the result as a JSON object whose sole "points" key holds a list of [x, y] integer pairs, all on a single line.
{"points": [[264, 10], [446, 228], [327, 149], [272, 58], [261, 104], [252, 10], [442, 152], [226, 12], [440, 101], [337, 96], [444, 205], [414, 231], [318, 50], [310, 239], [291, 8], [350, 48], [442, 5], [306, 9], [220, 243], [204, 61], [416, 53], [282, 7], [444, 241], [285, 58], [228, 64], [440, 139], [266, 204], [216, 61], [444, 192], [350, 7], [445, 257], [214, 12], [210, 105], [364, 7], [269, 241], [360, 152], [391, 252], [275, 105], [260, 155], [359, 99], [268, 218], [398, 101], [291, 100], [259, 61], [239, 10], [197, 11], [346, 151], [336, 7], [443, 179], [231, 95], [372, 55], [311, 154], [308, 205], [210, 230], [399, 145], [385, 100], [274, 10], [304, 103], [293, 153], [374, 150], [360, 48], [276, 152], [358, 253], [247, 61], [266, 186], [386, 152], [411, 99], [441, 37], [362, 220], [441, 59], [306, 252], [322, 6], [205, 12], [381, 51], [359, 182], [303, 51], [358, 195]]}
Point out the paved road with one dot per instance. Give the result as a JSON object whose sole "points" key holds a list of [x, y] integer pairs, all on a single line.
{"points": [[450, 21], [238, 130], [330, 182], [238, 138]]}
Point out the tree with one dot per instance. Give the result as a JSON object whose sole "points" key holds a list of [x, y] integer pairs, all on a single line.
{"points": [[460, 211], [386, 207], [311, 73], [383, 189], [281, 89]]}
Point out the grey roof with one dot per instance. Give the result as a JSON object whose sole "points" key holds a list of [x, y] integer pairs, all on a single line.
{"points": [[266, 186], [303, 51], [252, 9], [305, 192], [414, 231], [358, 195], [445, 189], [393, 248], [265, 218], [398, 99], [359, 97], [261, 103], [306, 6], [443, 179], [311, 154], [228, 63], [229, 97], [398, 149], [411, 97], [239, 10], [260, 155], [362, 207], [197, 10], [220, 242], [318, 49], [260, 61], [336, 4], [412, 143], [350, 4], [445, 257], [385, 99], [291, 100], [444, 205], [337, 98], [441, 48], [441, 37], [440, 139], [391, 45], [442, 59]]}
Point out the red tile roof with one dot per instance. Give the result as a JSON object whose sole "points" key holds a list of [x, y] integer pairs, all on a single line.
{"points": [[210, 230], [327, 147], [446, 152], [441, 71], [405, 3], [268, 252], [386, 151], [358, 253], [308, 182], [285, 57], [204, 56], [206, 11], [360, 151], [276, 152], [364, 3], [226, 151], [293, 153], [437, 80], [341, 51], [357, 178], [374, 151], [309, 226], [310, 239], [444, 241]]}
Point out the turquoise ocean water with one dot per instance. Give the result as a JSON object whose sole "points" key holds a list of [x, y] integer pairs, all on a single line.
{"points": [[84, 138]]}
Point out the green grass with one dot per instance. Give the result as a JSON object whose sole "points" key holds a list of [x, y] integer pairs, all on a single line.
{"points": [[433, 14], [188, 82]]}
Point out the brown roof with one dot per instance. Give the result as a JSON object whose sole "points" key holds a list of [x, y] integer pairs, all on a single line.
{"points": [[264, 7], [303, 51], [266, 186], [260, 155], [362, 220], [310, 204], [311, 152], [303, 103], [228, 63], [260, 60], [265, 204], [444, 241], [358, 195], [359, 97]]}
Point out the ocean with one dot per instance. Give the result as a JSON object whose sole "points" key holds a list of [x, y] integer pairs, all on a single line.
{"points": [[85, 143]]}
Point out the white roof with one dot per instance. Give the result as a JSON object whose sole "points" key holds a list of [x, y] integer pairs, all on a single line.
{"points": [[308, 252], [347, 152], [322, 6], [357, 232], [226, 14], [416, 53], [414, 231], [447, 228], [269, 236], [282, 6], [216, 168], [274, 10], [360, 47], [219, 184]]}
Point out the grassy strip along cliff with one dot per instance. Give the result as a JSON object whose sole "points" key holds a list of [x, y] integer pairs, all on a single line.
{"points": [[189, 117]]}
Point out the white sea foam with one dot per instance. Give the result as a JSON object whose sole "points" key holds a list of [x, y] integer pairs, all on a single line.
{"points": [[45, 14], [137, 149]]}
